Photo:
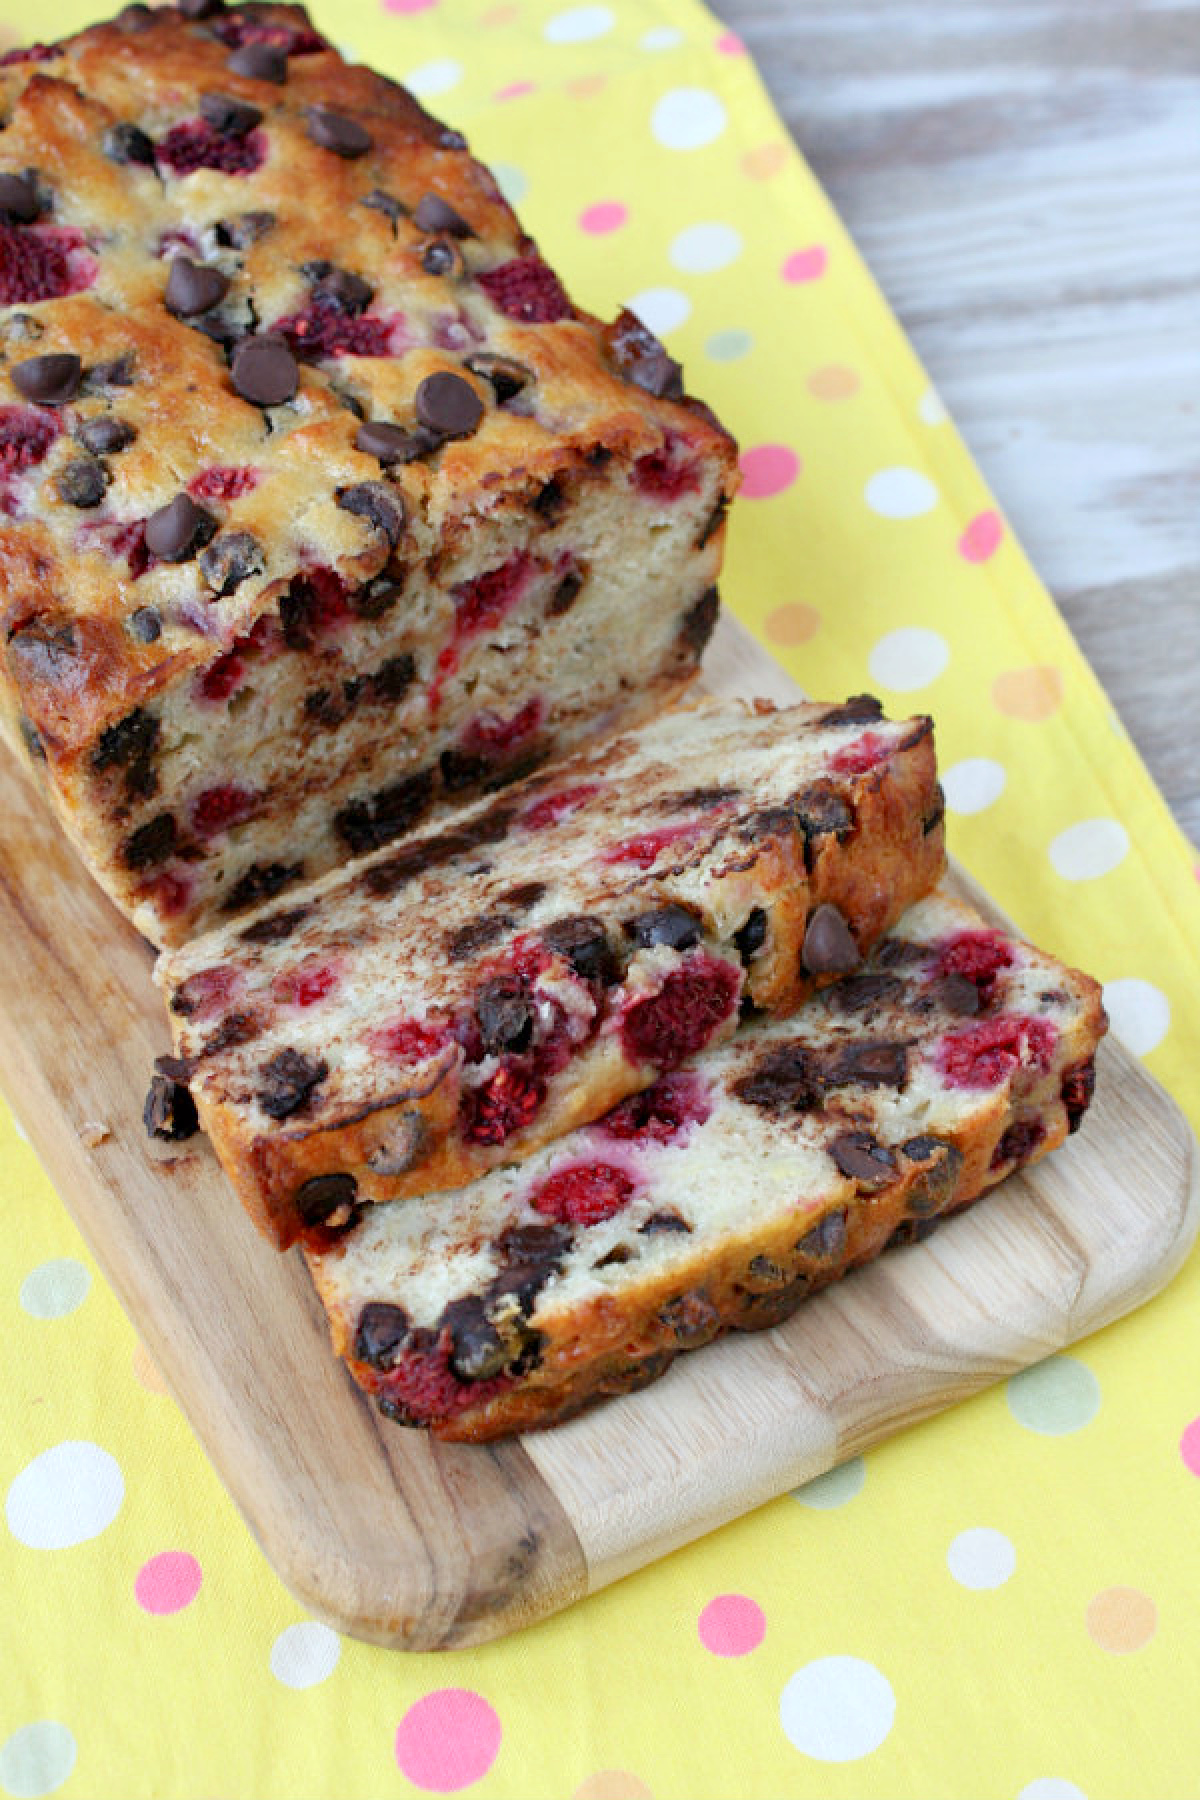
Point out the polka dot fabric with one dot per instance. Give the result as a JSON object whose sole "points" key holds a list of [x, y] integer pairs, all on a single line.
{"points": [[999, 1602]]}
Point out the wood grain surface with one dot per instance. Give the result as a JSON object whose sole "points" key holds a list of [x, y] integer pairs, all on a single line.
{"points": [[390, 1536], [1024, 181]]}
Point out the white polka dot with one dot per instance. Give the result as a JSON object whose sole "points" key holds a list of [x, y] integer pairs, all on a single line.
{"points": [[981, 1558], [974, 784], [837, 1708], [55, 1288], [1090, 849], [900, 493], [1049, 1787], [702, 248], [66, 1495], [1139, 1012], [579, 25], [930, 408], [37, 1759], [909, 658], [436, 77], [662, 309], [512, 182], [663, 37], [305, 1654], [688, 118]]}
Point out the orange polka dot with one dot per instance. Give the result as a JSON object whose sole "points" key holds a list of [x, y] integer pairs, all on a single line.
{"points": [[792, 623], [834, 382], [1121, 1619], [612, 1784], [765, 161], [1035, 693], [586, 86], [145, 1371]]}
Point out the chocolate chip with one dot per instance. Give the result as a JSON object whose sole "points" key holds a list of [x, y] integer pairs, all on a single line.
{"points": [[177, 530], [276, 928], [288, 1081], [662, 1223], [583, 941], [391, 443], [327, 1200], [862, 993], [565, 594], [348, 292], [507, 377], [860, 709], [699, 621], [150, 843], [860, 1157], [230, 560], [334, 131], [104, 436], [376, 598], [504, 1014], [786, 1079], [642, 360], [403, 1144], [366, 824], [261, 881], [379, 505], [82, 483], [876, 1063], [1079, 1084], [146, 625], [751, 936], [264, 371], [956, 994], [441, 258], [260, 62], [169, 1111], [763, 1273], [244, 229], [524, 896], [448, 405], [385, 203], [232, 118], [449, 139], [127, 143], [200, 9], [713, 523], [827, 1239], [380, 1334], [194, 287], [19, 202], [478, 1351], [899, 953], [933, 1187], [829, 947], [467, 940], [692, 1319], [433, 214], [674, 927], [134, 18], [48, 380], [117, 373]]}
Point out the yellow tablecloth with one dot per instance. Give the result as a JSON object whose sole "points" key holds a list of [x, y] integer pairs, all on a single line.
{"points": [[1003, 1602]]}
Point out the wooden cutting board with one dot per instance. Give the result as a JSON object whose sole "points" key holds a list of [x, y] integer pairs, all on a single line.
{"points": [[392, 1537]]}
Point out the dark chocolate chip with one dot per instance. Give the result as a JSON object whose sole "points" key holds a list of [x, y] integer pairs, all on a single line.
{"points": [[232, 118], [334, 131], [583, 940], [328, 1200], [660, 1224], [150, 843], [127, 143], [899, 953], [876, 1063], [751, 936], [170, 1111], [260, 62], [177, 530], [385, 203], [377, 597], [507, 377], [392, 680], [449, 139], [194, 287], [117, 373], [276, 928], [379, 505], [477, 934], [1078, 1086], [525, 895], [934, 1185], [433, 214], [478, 1351], [146, 624], [862, 993], [244, 229], [82, 483], [699, 621], [860, 709], [288, 1080], [104, 436], [565, 594], [764, 1273], [134, 18], [366, 824], [504, 1014], [642, 360], [349, 293], [860, 1157], [829, 946], [381, 1333], [786, 1079], [261, 881], [19, 203], [956, 994], [231, 559], [48, 380], [1018, 1143], [448, 405], [200, 9], [821, 811], [692, 1319], [264, 371], [827, 1239], [441, 258], [675, 927], [713, 523], [551, 502], [391, 443]]}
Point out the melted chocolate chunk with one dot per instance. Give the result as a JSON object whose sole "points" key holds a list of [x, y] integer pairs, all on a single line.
{"points": [[750, 937], [82, 483], [379, 505], [787, 1079], [377, 597], [829, 946], [675, 927], [367, 824], [275, 929], [860, 709], [150, 843], [48, 380], [934, 1186], [827, 1239], [19, 203], [700, 621], [380, 1334], [862, 993], [264, 371], [504, 1015], [133, 739], [477, 934], [956, 994], [583, 940], [262, 881], [334, 131], [288, 1081], [478, 1352], [861, 1158], [105, 436], [433, 214], [873, 1064], [126, 143], [231, 559], [176, 531], [447, 404], [169, 1111], [328, 1200], [260, 62], [232, 118], [388, 877], [193, 287], [692, 1319]]}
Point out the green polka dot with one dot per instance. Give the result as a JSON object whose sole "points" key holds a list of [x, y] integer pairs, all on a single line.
{"points": [[37, 1759], [833, 1488], [55, 1288], [729, 346], [1055, 1396], [512, 182]]}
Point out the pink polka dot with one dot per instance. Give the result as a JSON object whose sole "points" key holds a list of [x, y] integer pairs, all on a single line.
{"points": [[982, 538], [603, 217], [767, 469], [731, 1625], [167, 1583], [515, 90], [447, 1741], [408, 6], [1189, 1443], [730, 44], [806, 265]]}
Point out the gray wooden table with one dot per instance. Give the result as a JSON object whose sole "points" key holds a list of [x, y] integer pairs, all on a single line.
{"points": [[1024, 178]]}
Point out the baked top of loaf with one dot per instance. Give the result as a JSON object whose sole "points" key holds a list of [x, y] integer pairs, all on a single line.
{"points": [[229, 404], [430, 1010], [719, 1198]]}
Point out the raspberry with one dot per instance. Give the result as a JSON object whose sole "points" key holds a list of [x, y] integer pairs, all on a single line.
{"points": [[223, 677], [313, 606], [206, 992], [408, 1041], [324, 330], [195, 144], [167, 893], [304, 985], [25, 437], [666, 474], [293, 40], [129, 541], [219, 808], [978, 956], [662, 1112], [502, 1105], [490, 735], [863, 754], [222, 484], [988, 1053], [483, 602], [646, 849], [526, 289], [421, 1387], [584, 1194], [679, 1019], [43, 264], [555, 807], [28, 53], [1077, 1088]]}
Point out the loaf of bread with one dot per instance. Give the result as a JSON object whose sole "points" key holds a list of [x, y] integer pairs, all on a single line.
{"points": [[719, 1198], [321, 503], [429, 1011]]}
